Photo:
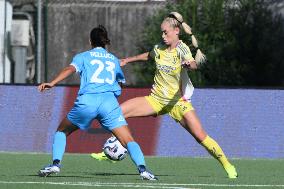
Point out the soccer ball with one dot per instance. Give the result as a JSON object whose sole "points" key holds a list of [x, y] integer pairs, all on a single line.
{"points": [[114, 150]]}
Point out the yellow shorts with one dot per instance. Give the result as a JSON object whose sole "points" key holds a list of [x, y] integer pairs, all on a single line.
{"points": [[176, 111]]}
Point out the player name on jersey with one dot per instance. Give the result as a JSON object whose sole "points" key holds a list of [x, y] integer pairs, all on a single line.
{"points": [[100, 54]]}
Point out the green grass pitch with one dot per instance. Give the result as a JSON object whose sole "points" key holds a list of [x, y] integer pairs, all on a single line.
{"points": [[19, 171]]}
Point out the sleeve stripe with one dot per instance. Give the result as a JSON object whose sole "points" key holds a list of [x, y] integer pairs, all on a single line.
{"points": [[184, 49], [181, 49], [73, 64]]}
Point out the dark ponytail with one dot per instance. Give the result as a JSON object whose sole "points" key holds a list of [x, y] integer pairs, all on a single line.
{"points": [[99, 37]]}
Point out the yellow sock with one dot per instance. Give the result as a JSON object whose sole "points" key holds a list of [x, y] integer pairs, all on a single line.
{"points": [[215, 150]]}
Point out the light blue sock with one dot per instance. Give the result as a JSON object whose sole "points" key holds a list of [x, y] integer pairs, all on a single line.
{"points": [[58, 146], [135, 153]]}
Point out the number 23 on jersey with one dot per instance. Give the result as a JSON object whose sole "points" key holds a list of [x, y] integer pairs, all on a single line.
{"points": [[97, 77]]}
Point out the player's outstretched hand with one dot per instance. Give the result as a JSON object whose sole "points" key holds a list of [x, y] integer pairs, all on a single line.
{"points": [[45, 86], [191, 65], [123, 62]]}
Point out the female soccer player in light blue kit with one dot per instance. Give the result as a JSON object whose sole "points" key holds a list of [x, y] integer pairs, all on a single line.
{"points": [[100, 73]]}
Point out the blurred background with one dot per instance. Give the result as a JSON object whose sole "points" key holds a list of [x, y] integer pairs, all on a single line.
{"points": [[243, 39]]}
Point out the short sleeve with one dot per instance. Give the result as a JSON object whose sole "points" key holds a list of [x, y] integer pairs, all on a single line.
{"points": [[154, 52], [77, 62], [119, 73], [185, 52]]}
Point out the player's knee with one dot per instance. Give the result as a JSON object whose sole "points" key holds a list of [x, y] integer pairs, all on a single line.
{"points": [[67, 130], [125, 141]]}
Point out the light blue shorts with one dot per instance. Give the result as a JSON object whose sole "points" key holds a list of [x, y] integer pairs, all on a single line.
{"points": [[102, 106]]}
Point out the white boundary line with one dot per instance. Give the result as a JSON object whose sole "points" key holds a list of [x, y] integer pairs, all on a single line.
{"points": [[98, 184], [143, 185]]}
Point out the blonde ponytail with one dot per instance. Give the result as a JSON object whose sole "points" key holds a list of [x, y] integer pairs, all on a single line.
{"points": [[187, 30], [199, 56]]}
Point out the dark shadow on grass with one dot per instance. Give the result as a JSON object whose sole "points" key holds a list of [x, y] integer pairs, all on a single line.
{"points": [[57, 176], [203, 176], [115, 174], [111, 174], [89, 175]]}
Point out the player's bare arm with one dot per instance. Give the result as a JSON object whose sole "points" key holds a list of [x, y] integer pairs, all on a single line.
{"points": [[140, 57], [61, 76]]}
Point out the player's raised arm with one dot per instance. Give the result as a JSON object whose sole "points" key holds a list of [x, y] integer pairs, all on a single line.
{"points": [[67, 71], [140, 57]]}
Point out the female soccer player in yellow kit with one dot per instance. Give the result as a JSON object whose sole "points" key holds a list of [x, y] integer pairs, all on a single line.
{"points": [[172, 87]]}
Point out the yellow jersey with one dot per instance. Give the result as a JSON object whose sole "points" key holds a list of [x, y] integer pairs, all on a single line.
{"points": [[168, 86]]}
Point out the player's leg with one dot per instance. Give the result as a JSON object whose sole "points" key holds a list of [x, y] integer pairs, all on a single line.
{"points": [[135, 107], [79, 117], [192, 124], [111, 118], [58, 147], [124, 136]]}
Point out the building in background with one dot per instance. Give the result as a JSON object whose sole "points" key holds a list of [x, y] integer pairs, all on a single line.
{"points": [[17, 45], [35, 54], [6, 11]]}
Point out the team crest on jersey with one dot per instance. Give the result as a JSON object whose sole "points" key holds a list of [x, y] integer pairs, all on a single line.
{"points": [[121, 118], [175, 59]]}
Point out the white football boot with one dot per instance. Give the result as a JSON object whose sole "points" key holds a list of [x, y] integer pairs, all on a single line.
{"points": [[145, 174], [48, 170]]}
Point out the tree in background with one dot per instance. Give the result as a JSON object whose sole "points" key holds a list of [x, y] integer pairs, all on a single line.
{"points": [[242, 39], [259, 43]]}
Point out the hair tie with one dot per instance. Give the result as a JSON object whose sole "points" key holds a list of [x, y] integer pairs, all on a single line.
{"points": [[174, 17]]}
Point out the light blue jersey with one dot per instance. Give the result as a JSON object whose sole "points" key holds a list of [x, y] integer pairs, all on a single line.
{"points": [[100, 71]]}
